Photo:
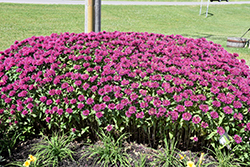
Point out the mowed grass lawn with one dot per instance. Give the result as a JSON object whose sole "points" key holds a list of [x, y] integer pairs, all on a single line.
{"points": [[21, 21]]}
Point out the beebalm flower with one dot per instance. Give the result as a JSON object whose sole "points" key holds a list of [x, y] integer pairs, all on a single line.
{"points": [[220, 130], [214, 114], [237, 139], [140, 115], [85, 112], [109, 128], [99, 114], [195, 139], [190, 164], [227, 110], [238, 116], [196, 119], [186, 116], [204, 125]]}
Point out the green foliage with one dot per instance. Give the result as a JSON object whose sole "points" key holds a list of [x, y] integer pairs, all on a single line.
{"points": [[141, 162], [225, 157], [110, 153], [1, 160], [167, 156], [8, 140], [52, 151]]}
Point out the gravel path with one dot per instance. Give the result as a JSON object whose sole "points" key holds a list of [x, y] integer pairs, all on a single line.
{"points": [[119, 2]]}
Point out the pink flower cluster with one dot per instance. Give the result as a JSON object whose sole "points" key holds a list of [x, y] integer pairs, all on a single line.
{"points": [[138, 75]]}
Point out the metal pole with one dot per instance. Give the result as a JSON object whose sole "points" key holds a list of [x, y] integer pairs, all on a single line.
{"points": [[90, 15], [201, 7], [97, 15], [207, 7]]}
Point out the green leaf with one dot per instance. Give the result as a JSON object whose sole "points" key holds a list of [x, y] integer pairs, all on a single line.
{"points": [[211, 135], [84, 130], [171, 135]]}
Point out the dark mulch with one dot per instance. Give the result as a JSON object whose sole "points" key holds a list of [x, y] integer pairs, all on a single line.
{"points": [[134, 150]]}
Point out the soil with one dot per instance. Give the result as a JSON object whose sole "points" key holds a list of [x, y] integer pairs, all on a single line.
{"points": [[134, 150]]}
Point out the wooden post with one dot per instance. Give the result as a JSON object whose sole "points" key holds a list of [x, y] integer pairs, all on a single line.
{"points": [[90, 16]]}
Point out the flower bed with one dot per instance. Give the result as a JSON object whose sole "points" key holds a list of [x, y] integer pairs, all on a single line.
{"points": [[149, 85]]}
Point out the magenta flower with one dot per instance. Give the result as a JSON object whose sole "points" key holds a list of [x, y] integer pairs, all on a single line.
{"points": [[216, 103], [111, 106], [99, 114], [48, 119], [196, 119], [186, 116], [85, 86], [64, 85], [49, 102], [220, 130], [140, 115], [81, 98], [133, 96], [30, 106], [94, 88], [166, 103], [107, 88], [180, 108], [25, 112], [188, 103], [132, 109], [227, 110], [152, 111], [144, 105], [90, 101], [52, 92], [109, 128], [237, 104], [7, 100], [58, 92], [69, 110], [204, 124], [43, 98], [214, 114], [60, 111], [106, 98], [80, 105], [204, 108], [101, 92], [85, 112], [157, 103], [195, 139], [97, 107], [73, 101], [128, 114], [58, 101], [174, 115], [238, 116], [12, 112], [237, 139], [247, 127]]}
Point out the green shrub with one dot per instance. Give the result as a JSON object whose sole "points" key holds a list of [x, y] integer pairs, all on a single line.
{"points": [[149, 85]]}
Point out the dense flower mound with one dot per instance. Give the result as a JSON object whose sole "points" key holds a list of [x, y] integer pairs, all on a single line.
{"points": [[161, 85]]}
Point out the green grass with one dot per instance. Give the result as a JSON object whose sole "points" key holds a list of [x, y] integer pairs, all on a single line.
{"points": [[20, 21]]}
